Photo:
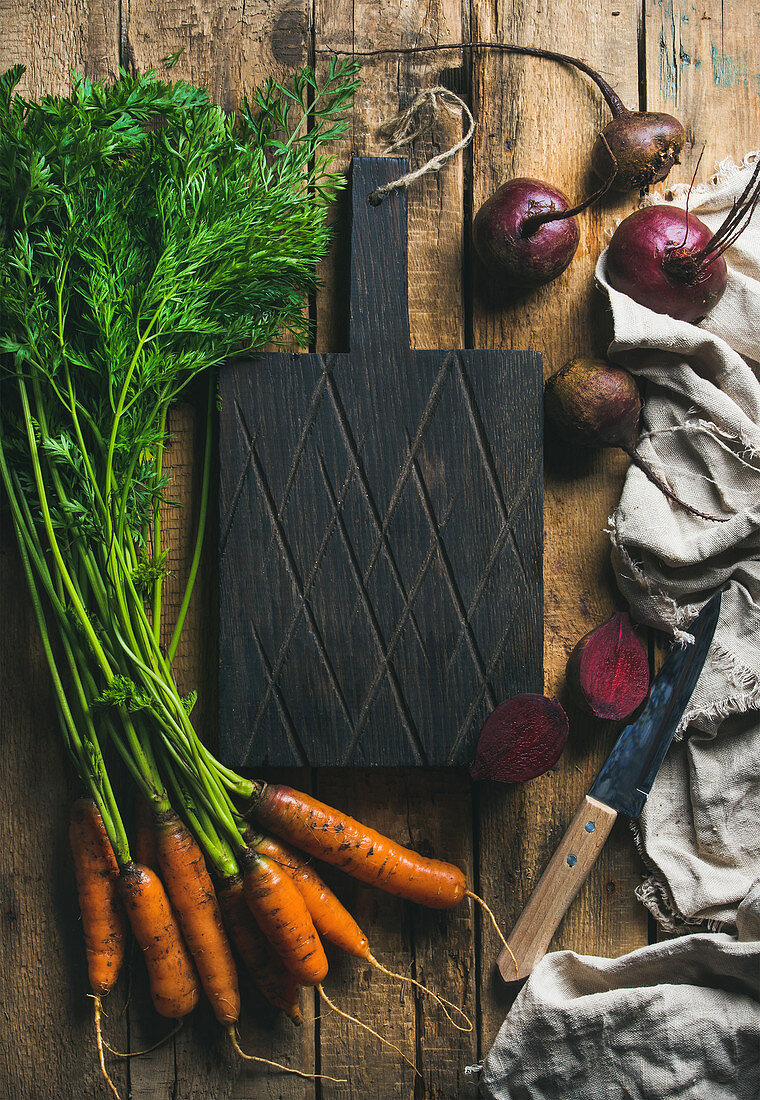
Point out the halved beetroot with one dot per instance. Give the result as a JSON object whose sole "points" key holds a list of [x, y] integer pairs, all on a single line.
{"points": [[521, 739], [608, 671]]}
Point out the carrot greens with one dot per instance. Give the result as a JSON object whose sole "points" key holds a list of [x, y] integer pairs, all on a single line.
{"points": [[145, 236]]}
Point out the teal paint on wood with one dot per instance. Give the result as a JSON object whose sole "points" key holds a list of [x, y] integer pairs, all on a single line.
{"points": [[728, 71]]}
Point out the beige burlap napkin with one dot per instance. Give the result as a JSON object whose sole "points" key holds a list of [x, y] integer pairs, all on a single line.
{"points": [[700, 829], [679, 1019]]}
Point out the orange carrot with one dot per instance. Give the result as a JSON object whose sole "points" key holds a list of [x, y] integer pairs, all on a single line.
{"points": [[103, 919], [360, 851], [145, 838], [173, 982], [265, 967], [335, 924], [281, 914], [191, 891], [331, 918]]}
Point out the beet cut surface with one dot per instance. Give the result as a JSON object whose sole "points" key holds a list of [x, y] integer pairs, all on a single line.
{"points": [[608, 671], [522, 738]]}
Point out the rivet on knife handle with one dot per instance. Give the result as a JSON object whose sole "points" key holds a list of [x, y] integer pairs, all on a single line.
{"points": [[560, 882]]}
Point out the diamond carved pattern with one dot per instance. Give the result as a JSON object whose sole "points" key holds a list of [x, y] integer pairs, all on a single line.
{"points": [[380, 535]]}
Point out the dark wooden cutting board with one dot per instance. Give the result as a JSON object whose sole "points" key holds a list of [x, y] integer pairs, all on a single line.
{"points": [[380, 531]]}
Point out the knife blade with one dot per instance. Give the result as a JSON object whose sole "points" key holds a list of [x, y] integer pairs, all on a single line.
{"points": [[622, 786]]}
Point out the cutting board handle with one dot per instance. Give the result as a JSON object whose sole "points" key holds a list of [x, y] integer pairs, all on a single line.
{"points": [[379, 312]]}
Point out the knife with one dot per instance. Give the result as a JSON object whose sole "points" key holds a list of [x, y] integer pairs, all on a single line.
{"points": [[622, 786]]}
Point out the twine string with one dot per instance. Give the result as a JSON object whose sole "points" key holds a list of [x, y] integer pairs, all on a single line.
{"points": [[416, 120]]}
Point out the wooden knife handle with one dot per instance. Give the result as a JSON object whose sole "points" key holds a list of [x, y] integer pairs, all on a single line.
{"points": [[560, 882]]}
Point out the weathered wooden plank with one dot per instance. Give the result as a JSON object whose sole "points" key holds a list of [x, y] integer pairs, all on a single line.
{"points": [[228, 49], [56, 36], [442, 947], [48, 1044], [538, 119], [436, 302], [703, 65]]}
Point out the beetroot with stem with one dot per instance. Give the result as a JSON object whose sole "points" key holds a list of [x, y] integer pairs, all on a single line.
{"points": [[517, 248], [521, 739], [669, 261], [526, 233], [645, 144], [594, 404], [608, 671]]}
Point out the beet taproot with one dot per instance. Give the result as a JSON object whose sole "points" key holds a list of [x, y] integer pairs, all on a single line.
{"points": [[592, 403]]}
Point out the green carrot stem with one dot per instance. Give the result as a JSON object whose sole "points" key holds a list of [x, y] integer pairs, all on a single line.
{"points": [[53, 542], [194, 565], [157, 584], [120, 406], [109, 812], [217, 853], [95, 751]]}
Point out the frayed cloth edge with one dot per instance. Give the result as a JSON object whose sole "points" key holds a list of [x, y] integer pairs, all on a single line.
{"points": [[672, 616], [655, 895], [725, 170], [746, 682]]}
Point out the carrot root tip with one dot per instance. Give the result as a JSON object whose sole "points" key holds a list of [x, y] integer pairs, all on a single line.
{"points": [[371, 1030], [495, 923], [442, 1001], [98, 1008], [278, 1065]]}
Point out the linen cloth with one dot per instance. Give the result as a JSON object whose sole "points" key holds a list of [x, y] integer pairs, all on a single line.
{"points": [[679, 1019]]}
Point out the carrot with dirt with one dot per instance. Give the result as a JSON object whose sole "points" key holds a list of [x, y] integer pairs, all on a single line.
{"points": [[361, 851], [358, 850], [281, 913], [174, 986], [333, 921], [192, 895], [265, 967], [104, 921]]}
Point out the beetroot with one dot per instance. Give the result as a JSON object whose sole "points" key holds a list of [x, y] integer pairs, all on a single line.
{"points": [[608, 671], [671, 262], [515, 240], [521, 739], [645, 145], [661, 257], [594, 404]]}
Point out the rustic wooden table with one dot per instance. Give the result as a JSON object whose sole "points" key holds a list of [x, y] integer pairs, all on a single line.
{"points": [[701, 62]]}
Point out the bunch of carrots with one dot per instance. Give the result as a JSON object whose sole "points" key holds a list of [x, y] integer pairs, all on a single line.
{"points": [[147, 236], [276, 910]]}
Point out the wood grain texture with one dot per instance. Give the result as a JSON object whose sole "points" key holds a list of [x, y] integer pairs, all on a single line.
{"points": [[48, 1044], [55, 36], [538, 119], [703, 65]]}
